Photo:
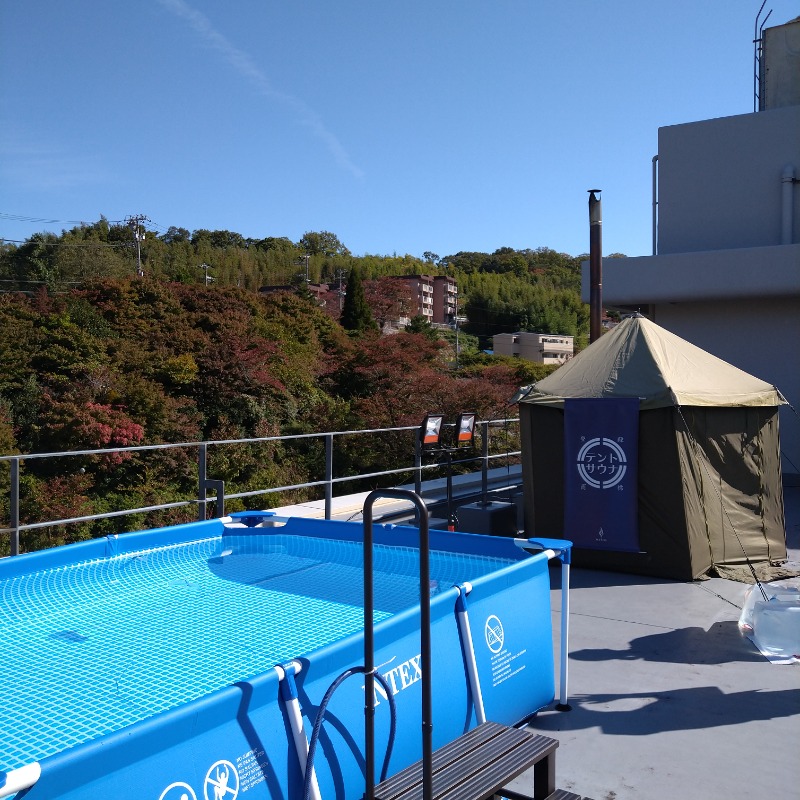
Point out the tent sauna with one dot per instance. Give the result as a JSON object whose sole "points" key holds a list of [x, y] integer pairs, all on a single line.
{"points": [[709, 472]]}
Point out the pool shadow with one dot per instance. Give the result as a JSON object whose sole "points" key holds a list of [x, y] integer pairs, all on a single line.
{"points": [[336, 582], [260, 746]]}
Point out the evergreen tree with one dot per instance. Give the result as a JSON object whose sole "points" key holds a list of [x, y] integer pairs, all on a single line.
{"points": [[419, 324], [356, 314]]}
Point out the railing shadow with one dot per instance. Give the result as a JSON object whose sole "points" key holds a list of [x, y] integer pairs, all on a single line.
{"points": [[691, 708]]}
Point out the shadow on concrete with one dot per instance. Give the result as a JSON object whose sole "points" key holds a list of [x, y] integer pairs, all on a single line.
{"points": [[645, 713], [585, 578], [720, 644]]}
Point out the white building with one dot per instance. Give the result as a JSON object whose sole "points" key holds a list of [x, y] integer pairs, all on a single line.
{"points": [[725, 274], [544, 348]]}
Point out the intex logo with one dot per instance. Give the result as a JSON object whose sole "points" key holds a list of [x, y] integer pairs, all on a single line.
{"points": [[400, 677]]}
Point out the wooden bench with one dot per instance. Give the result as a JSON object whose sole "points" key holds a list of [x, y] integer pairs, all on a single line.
{"points": [[558, 794], [477, 765]]}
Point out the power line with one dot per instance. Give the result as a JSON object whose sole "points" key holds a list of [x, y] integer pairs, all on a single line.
{"points": [[22, 218], [80, 222], [66, 244]]}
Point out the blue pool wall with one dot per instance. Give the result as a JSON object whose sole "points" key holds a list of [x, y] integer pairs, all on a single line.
{"points": [[173, 754]]}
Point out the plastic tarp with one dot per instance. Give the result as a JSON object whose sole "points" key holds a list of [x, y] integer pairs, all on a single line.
{"points": [[772, 623]]}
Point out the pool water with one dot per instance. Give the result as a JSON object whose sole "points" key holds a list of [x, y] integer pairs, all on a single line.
{"points": [[92, 647]]}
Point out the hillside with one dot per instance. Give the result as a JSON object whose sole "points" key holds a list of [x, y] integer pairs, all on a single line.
{"points": [[118, 362], [530, 289]]}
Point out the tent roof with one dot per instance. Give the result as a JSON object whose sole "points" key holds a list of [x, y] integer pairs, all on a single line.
{"points": [[640, 359]]}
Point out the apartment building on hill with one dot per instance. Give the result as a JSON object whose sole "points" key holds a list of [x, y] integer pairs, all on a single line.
{"points": [[436, 297]]}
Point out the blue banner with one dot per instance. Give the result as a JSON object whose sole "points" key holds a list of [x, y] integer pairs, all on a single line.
{"points": [[601, 441]]}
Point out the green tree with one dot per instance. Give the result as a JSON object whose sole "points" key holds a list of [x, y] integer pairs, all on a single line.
{"points": [[322, 243], [356, 315], [419, 324]]}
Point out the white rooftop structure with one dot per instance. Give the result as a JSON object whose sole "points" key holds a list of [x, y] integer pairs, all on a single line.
{"points": [[725, 273]]}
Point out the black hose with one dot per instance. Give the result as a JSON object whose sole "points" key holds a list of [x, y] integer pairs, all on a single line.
{"points": [[312, 745]]}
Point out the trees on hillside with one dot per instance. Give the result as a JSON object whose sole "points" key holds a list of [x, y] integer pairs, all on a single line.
{"points": [[508, 289], [508, 303], [389, 300], [322, 243], [356, 314], [124, 362]]}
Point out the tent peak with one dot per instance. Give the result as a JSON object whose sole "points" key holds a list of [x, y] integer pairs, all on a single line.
{"points": [[638, 358]]}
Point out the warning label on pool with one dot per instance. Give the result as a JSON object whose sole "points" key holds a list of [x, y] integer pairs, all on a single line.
{"points": [[251, 768], [505, 666], [504, 662], [222, 782]]}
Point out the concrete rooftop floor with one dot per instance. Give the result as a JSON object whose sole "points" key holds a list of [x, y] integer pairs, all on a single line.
{"points": [[668, 699]]}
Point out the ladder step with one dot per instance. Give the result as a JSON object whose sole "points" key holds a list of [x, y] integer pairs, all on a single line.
{"points": [[477, 765], [558, 794]]}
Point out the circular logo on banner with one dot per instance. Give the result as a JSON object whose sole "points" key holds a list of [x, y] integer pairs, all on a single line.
{"points": [[602, 463], [222, 782], [493, 631]]}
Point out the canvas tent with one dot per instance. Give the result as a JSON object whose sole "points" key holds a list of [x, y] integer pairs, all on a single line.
{"points": [[709, 471]]}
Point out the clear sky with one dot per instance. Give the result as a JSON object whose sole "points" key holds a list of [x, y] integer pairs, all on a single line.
{"points": [[402, 127]]}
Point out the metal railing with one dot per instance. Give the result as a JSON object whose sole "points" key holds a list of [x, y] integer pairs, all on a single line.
{"points": [[206, 484]]}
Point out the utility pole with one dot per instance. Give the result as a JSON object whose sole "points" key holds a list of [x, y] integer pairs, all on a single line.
{"points": [[205, 267], [340, 275], [456, 327], [135, 223]]}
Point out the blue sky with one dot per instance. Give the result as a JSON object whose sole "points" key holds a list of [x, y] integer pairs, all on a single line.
{"points": [[402, 127]]}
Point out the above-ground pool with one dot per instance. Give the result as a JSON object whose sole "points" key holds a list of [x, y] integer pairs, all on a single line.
{"points": [[190, 662]]}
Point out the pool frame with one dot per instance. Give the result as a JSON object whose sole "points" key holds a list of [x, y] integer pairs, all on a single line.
{"points": [[256, 731]]}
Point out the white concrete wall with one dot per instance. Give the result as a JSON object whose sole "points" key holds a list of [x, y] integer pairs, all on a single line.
{"points": [[719, 181], [712, 275], [503, 344], [530, 347]]}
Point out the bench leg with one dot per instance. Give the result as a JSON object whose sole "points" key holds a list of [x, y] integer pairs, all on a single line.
{"points": [[544, 777], [544, 782]]}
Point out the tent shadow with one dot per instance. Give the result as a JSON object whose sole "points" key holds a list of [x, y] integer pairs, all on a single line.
{"points": [[645, 713], [720, 644]]}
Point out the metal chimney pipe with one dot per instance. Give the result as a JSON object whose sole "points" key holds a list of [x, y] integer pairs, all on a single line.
{"points": [[595, 265]]}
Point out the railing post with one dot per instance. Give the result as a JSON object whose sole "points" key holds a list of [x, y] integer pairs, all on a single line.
{"points": [[202, 455], [219, 488], [484, 461], [13, 506], [418, 464], [328, 475]]}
